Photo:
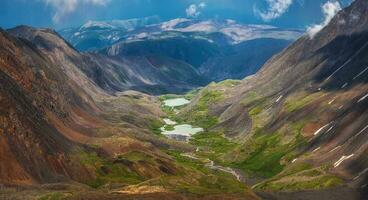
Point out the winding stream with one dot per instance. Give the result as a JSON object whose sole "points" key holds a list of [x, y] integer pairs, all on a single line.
{"points": [[211, 164], [184, 132]]}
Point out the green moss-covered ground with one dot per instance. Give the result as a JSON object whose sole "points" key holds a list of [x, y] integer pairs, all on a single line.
{"points": [[264, 154], [206, 180], [199, 115], [108, 171], [301, 176]]}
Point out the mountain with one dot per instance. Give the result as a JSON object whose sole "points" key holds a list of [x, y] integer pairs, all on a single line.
{"points": [[53, 116], [98, 34], [300, 123], [66, 135], [218, 31], [76, 125], [152, 75], [200, 44], [113, 74]]}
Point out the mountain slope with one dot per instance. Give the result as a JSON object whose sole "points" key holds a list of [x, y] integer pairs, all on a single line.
{"points": [[153, 75], [302, 118], [50, 121], [111, 73], [241, 60], [63, 136], [35, 148], [214, 62]]}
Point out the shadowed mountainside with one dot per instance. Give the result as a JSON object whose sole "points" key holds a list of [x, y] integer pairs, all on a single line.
{"points": [[117, 74]]}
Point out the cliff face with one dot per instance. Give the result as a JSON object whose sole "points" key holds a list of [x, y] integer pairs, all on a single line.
{"points": [[307, 105]]}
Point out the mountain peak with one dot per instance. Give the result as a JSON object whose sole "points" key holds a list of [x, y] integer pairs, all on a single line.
{"points": [[123, 25]]}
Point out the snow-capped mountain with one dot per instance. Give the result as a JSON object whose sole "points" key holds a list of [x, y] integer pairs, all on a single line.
{"points": [[236, 32], [217, 49], [94, 35], [212, 30], [98, 34]]}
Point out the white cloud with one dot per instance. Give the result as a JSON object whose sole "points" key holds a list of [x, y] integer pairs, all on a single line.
{"points": [[195, 10], [65, 7], [202, 5], [276, 8], [330, 9]]}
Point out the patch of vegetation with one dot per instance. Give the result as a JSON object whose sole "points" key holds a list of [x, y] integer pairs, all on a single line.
{"points": [[214, 145], [188, 162], [265, 158], [168, 96], [229, 83], [202, 179], [169, 127], [265, 152], [255, 111], [294, 169], [199, 115], [107, 171], [170, 112], [300, 183], [135, 156], [294, 104], [191, 94], [301, 176], [155, 125], [250, 97]]}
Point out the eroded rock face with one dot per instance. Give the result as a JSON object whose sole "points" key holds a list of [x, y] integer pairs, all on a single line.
{"points": [[33, 150]]}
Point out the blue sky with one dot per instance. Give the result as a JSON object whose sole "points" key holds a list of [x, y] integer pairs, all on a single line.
{"points": [[59, 14]]}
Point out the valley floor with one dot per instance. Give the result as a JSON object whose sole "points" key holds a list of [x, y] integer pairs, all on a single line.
{"points": [[202, 170]]}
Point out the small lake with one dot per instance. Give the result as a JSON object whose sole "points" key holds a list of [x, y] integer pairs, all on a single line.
{"points": [[182, 132], [176, 102]]}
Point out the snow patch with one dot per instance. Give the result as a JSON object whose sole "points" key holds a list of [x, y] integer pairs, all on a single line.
{"points": [[96, 24], [362, 72], [278, 99], [342, 159], [330, 129], [169, 122], [334, 149], [361, 131], [316, 149], [319, 130], [348, 61], [362, 99], [170, 25], [205, 26]]}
